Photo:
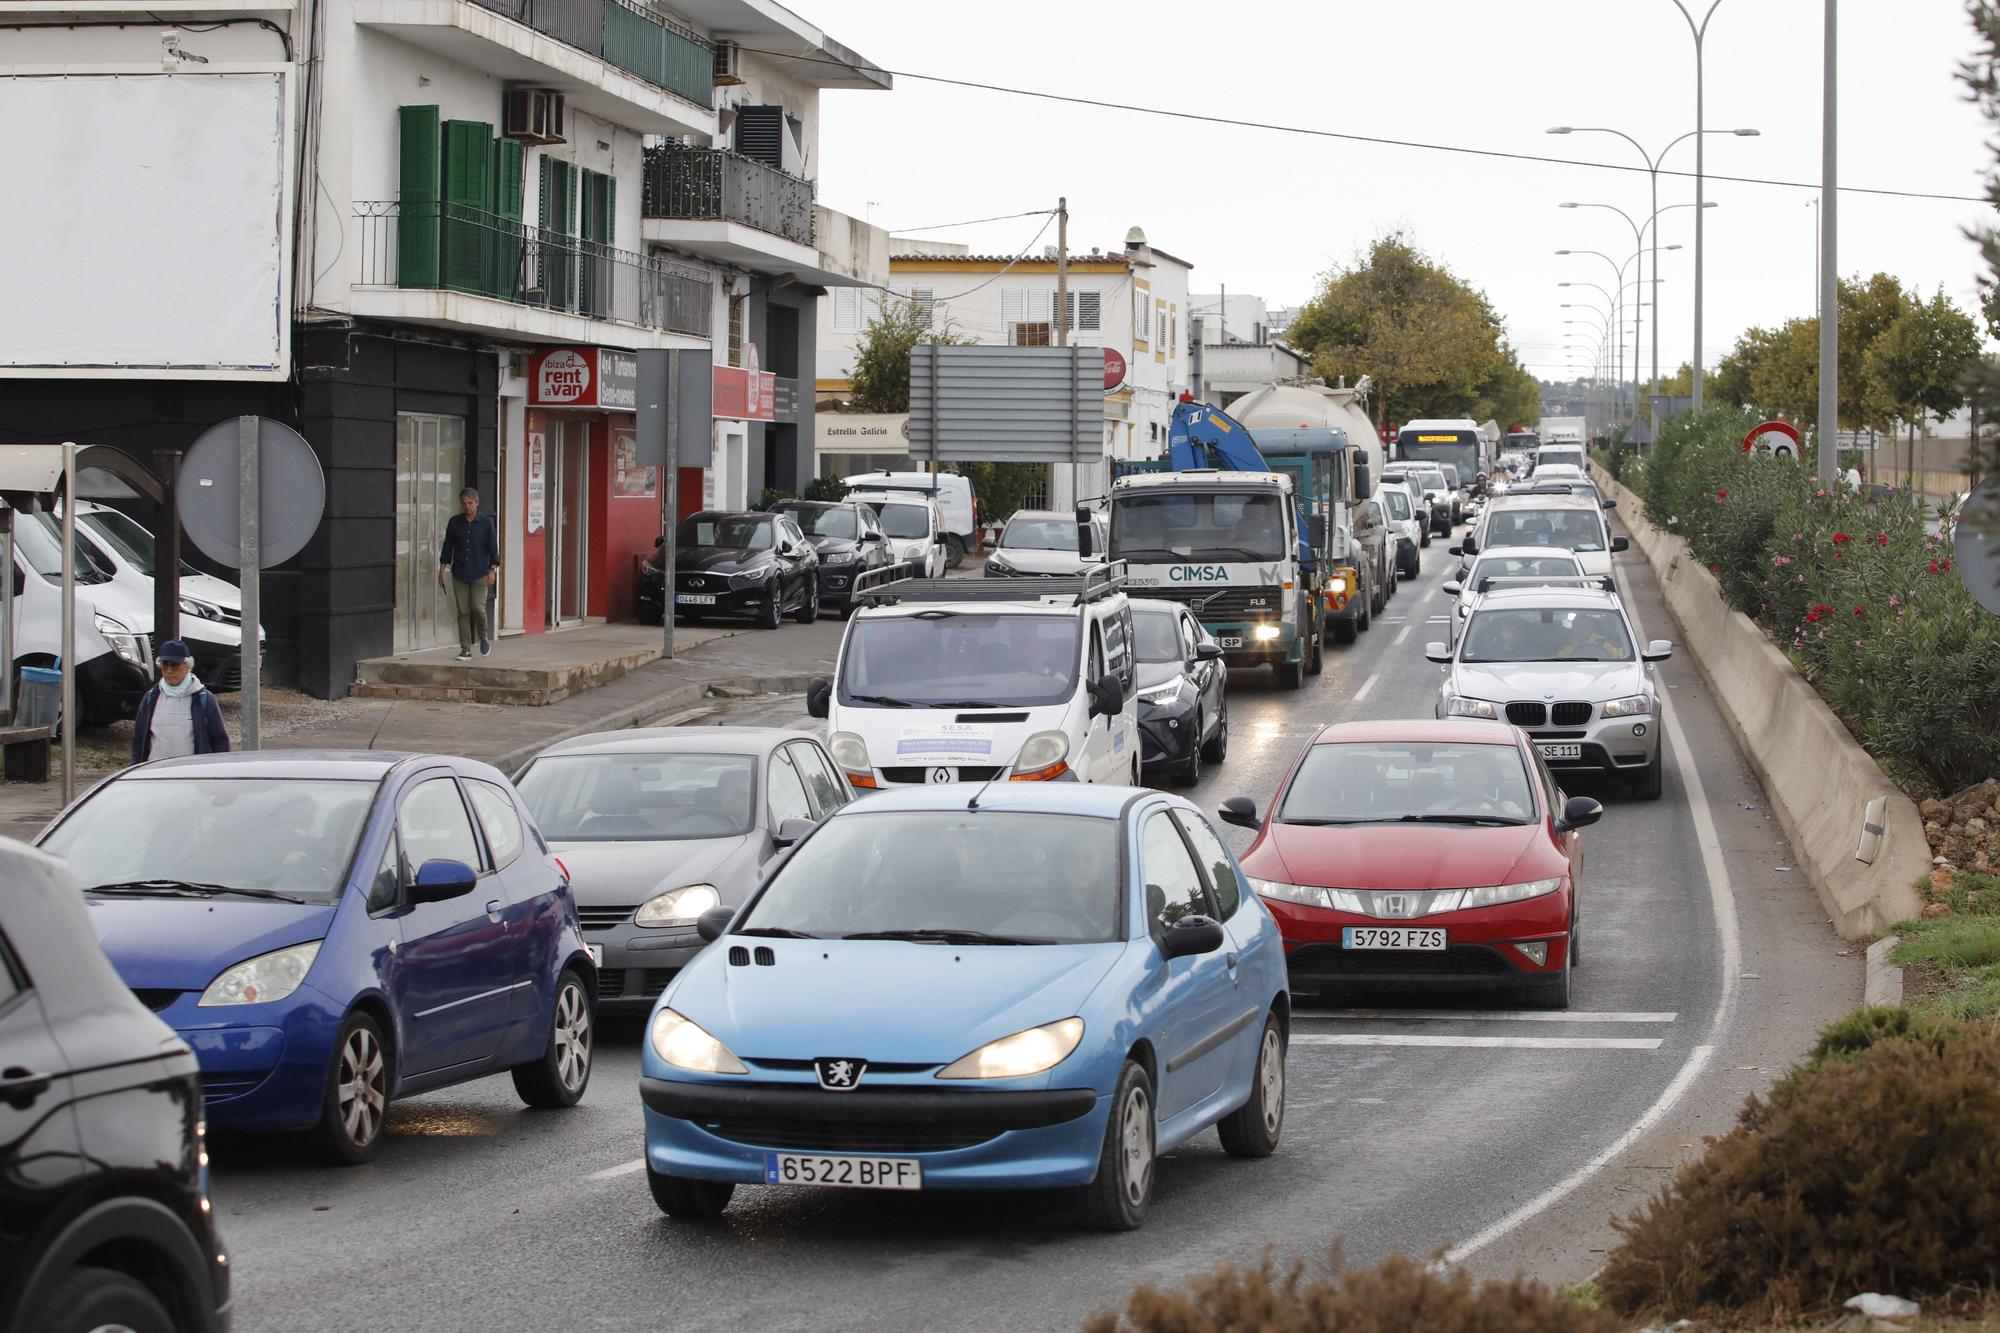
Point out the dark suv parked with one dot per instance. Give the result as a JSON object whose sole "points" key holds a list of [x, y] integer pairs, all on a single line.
{"points": [[104, 1214]]}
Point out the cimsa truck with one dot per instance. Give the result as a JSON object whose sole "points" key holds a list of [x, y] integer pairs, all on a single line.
{"points": [[1227, 544]]}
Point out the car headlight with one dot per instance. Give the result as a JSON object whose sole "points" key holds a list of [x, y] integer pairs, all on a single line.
{"points": [[677, 907], [200, 610], [1459, 706], [1495, 894], [1020, 1055], [1044, 749], [850, 752], [995, 565], [839, 557], [1164, 694], [1307, 895], [1336, 584], [259, 980], [1632, 705], [753, 575], [124, 643], [682, 1043]]}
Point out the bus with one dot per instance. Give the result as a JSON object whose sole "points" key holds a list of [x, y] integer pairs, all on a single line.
{"points": [[1457, 442]]}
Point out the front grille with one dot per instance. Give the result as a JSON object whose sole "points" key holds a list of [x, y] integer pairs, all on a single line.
{"points": [[887, 1138], [1570, 714], [918, 774], [157, 1000], [1458, 960], [221, 1087], [1527, 714], [220, 673], [604, 918], [1220, 603], [633, 983]]}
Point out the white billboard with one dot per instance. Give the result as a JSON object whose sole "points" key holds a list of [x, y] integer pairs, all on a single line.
{"points": [[148, 233]]}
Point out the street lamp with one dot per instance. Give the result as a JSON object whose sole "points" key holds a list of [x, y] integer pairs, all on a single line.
{"points": [[1637, 307], [1699, 31], [1652, 162]]}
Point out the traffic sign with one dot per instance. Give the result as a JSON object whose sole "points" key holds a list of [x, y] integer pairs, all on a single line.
{"points": [[291, 493], [1787, 446]]}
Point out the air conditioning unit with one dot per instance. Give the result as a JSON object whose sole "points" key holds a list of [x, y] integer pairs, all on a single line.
{"points": [[534, 115], [728, 64]]}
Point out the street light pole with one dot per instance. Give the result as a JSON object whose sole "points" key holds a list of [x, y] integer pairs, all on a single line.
{"points": [[1829, 291], [1700, 32]]}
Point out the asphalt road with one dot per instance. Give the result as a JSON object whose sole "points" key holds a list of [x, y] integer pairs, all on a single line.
{"points": [[1410, 1128]]}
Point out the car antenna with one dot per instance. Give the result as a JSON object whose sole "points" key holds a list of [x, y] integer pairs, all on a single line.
{"points": [[973, 804]]}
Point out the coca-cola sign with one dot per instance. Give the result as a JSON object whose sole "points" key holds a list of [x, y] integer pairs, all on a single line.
{"points": [[1114, 368]]}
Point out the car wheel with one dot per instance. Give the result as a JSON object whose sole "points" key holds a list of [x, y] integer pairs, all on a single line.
{"points": [[1187, 773], [808, 610], [1291, 675], [91, 1300], [1379, 597], [559, 1075], [774, 607], [1344, 630], [1117, 1200], [1554, 992], [954, 550], [1648, 785], [679, 1196], [1252, 1129], [1216, 748], [1316, 655], [357, 1093], [1425, 540]]}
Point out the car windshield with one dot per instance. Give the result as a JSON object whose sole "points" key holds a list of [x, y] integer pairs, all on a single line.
{"points": [[949, 877], [38, 537], [957, 660], [1524, 567], [1398, 500], [756, 532], [124, 535], [639, 797], [1450, 474], [1430, 479], [1571, 529], [1394, 781], [824, 521], [900, 519], [1546, 634], [291, 836], [1040, 534], [1156, 635], [1197, 525]]}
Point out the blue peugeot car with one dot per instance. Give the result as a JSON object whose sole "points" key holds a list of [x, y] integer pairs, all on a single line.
{"points": [[331, 930], [962, 987]]}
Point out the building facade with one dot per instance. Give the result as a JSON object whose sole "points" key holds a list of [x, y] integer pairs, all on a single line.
{"points": [[431, 235]]}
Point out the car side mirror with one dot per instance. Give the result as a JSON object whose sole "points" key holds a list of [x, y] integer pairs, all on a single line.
{"points": [[1363, 487], [1470, 546], [658, 542], [441, 879], [1240, 811], [1454, 587], [1208, 650], [1086, 533], [871, 536], [1191, 935], [1454, 550], [792, 831], [714, 923], [1437, 652], [1610, 504], [1659, 650], [1620, 544], [1107, 696], [819, 693], [1579, 811], [938, 540]]}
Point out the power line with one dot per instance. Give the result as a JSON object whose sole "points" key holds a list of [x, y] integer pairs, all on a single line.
{"points": [[972, 222], [1236, 123]]}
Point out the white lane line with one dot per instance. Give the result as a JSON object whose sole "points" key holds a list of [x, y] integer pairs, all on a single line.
{"points": [[1722, 901], [622, 1169], [1496, 1015], [1368, 684], [1479, 1043], [1402, 636]]}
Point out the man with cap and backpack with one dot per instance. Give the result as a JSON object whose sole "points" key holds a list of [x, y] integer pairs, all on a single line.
{"points": [[178, 716]]}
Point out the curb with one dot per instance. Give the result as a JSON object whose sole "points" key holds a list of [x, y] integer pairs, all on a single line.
{"points": [[635, 715], [1885, 979]]}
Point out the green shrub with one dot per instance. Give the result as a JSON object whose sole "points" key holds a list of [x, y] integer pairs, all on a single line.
{"points": [[1873, 1173], [1400, 1296], [771, 496], [825, 488]]}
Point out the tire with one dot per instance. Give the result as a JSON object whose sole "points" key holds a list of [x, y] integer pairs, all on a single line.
{"points": [[1117, 1200], [773, 613], [808, 610], [99, 1298], [1553, 993], [1216, 749], [1379, 596], [1291, 675], [689, 1200], [1648, 785], [357, 1094], [1187, 773], [1252, 1129], [1425, 540], [1364, 616], [1344, 629], [954, 550], [559, 1075], [1316, 655]]}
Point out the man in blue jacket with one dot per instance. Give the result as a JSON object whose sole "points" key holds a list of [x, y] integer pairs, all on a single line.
{"points": [[470, 554], [178, 715]]}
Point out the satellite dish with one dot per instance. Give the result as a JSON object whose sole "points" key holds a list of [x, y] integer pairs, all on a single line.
{"points": [[291, 493], [1976, 546]]}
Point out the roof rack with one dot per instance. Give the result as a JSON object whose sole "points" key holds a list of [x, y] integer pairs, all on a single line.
{"points": [[1510, 582], [1096, 582]]}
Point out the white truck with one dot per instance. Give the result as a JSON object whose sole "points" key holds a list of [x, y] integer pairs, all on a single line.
{"points": [[1563, 430]]}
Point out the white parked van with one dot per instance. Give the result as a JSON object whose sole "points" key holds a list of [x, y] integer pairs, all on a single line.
{"points": [[114, 647], [914, 527], [956, 500], [211, 609], [973, 680]]}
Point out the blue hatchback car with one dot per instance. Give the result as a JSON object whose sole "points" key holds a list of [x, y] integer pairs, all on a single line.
{"points": [[957, 987], [331, 930]]}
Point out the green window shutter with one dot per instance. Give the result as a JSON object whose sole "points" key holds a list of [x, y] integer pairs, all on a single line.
{"points": [[417, 200], [608, 213], [467, 250], [504, 204]]}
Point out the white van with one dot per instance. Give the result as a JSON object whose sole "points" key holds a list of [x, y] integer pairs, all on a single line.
{"points": [[973, 680], [1566, 452], [956, 500], [114, 647], [914, 526]]}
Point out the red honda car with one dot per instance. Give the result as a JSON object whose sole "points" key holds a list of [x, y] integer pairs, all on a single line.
{"points": [[1422, 854]]}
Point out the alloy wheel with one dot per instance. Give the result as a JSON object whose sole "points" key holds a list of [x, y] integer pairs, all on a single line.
{"points": [[1271, 1080], [363, 1092], [572, 1036], [1136, 1145]]}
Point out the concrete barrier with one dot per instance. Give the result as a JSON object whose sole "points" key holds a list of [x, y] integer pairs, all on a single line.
{"points": [[1818, 778]]}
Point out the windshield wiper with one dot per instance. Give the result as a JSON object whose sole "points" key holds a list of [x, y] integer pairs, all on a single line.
{"points": [[1458, 819], [1150, 553], [778, 933], [1235, 552], [882, 700], [142, 888], [967, 703], [938, 937]]}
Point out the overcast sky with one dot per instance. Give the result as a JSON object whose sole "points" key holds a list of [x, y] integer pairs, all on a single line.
{"points": [[1269, 212]]}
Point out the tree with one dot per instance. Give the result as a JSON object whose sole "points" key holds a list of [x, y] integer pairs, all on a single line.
{"points": [[1730, 382], [1981, 77], [1680, 384], [1784, 380], [1919, 364], [882, 359]]}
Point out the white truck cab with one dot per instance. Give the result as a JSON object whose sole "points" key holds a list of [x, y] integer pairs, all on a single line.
{"points": [[971, 680]]}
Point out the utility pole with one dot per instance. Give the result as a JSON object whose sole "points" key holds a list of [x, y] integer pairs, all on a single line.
{"points": [[1062, 323], [1222, 316], [1829, 268]]}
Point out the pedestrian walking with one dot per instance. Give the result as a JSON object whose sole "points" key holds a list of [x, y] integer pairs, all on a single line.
{"points": [[178, 715], [471, 556]]}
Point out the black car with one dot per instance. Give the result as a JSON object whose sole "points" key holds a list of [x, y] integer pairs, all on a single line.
{"points": [[850, 541], [104, 1211], [1182, 690], [735, 564]]}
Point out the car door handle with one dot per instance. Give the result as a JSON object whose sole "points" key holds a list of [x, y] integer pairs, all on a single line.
{"points": [[1230, 958], [493, 909], [20, 1086]]}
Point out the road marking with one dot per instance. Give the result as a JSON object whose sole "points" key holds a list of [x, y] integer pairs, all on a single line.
{"points": [[1722, 901], [1368, 684], [1404, 635], [1478, 1043], [622, 1169], [1499, 1015]]}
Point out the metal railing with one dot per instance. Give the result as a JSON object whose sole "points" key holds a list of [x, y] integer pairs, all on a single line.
{"points": [[450, 247], [625, 34], [714, 183]]}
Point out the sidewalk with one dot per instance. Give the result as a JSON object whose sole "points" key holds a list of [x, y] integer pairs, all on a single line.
{"points": [[506, 736]]}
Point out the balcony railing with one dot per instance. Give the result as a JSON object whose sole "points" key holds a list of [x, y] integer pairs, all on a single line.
{"points": [[629, 36], [716, 184], [449, 247]]}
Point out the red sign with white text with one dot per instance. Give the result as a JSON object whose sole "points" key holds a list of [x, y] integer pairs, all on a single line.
{"points": [[745, 395]]}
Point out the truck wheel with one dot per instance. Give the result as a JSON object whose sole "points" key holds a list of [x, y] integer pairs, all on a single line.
{"points": [[1290, 676], [1364, 615], [1316, 654], [1379, 597], [954, 550], [1344, 630]]}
